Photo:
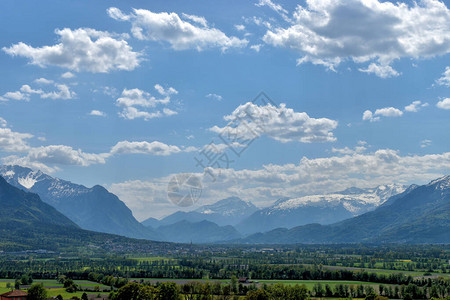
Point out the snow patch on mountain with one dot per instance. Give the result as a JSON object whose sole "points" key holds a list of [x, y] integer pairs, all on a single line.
{"points": [[354, 200], [442, 183]]}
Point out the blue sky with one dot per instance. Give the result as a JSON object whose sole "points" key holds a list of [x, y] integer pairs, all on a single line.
{"points": [[126, 94]]}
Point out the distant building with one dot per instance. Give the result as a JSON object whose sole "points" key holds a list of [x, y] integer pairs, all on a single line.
{"points": [[243, 280], [14, 295]]}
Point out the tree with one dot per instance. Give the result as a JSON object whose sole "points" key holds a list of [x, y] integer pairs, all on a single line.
{"points": [[168, 291], [84, 297], [17, 284], [37, 292], [129, 291], [257, 295]]}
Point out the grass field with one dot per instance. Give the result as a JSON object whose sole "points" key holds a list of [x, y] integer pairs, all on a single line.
{"points": [[151, 259], [55, 288]]}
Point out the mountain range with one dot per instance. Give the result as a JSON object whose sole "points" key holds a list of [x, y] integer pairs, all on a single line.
{"points": [[322, 209], [421, 214], [28, 223], [385, 214], [90, 208], [229, 211]]}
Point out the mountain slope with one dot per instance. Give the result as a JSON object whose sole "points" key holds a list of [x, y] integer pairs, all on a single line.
{"points": [[199, 232], [90, 208], [151, 223], [229, 211], [322, 209], [27, 223], [421, 215], [17, 205]]}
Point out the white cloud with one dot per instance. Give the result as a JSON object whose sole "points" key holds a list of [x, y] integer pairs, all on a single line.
{"points": [[11, 141], [239, 27], [97, 113], [18, 95], [135, 103], [28, 90], [168, 112], [444, 104], [214, 97], [63, 92], [360, 148], [83, 49], [389, 112], [67, 75], [137, 97], [415, 106], [191, 33], [196, 19], [309, 176], [328, 32], [280, 123], [383, 112], [383, 71], [425, 143], [153, 148], [165, 91], [275, 7], [445, 79], [50, 158], [44, 81], [257, 47], [25, 92], [368, 116]]}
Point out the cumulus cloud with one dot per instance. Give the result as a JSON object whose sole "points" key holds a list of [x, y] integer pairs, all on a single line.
{"points": [[182, 33], [50, 158], [82, 49], [445, 79], [43, 81], [328, 32], [389, 112], [444, 104], [359, 148], [383, 71], [279, 123], [415, 106], [275, 7], [135, 103], [63, 92], [152, 148], [12, 141], [165, 91], [239, 27], [309, 176], [67, 75], [214, 97], [425, 143], [381, 112], [256, 47], [97, 113], [25, 92]]}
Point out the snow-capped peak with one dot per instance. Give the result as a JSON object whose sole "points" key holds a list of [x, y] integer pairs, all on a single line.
{"points": [[355, 200], [232, 206], [441, 183]]}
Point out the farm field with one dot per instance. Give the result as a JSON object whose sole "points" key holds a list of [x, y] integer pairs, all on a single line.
{"points": [[54, 288]]}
